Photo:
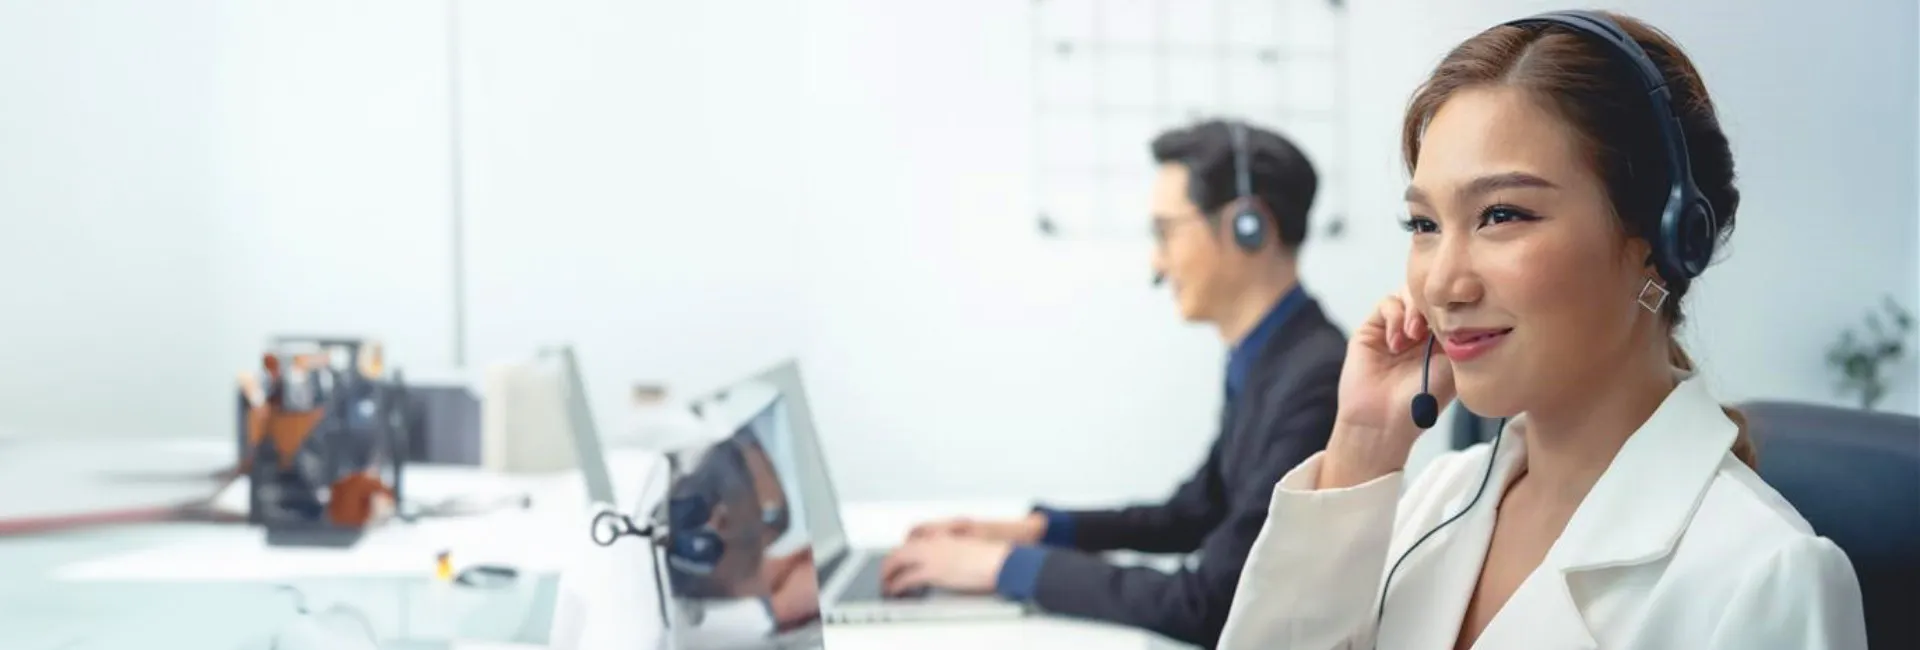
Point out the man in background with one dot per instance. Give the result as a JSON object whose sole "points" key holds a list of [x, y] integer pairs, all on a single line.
{"points": [[1230, 208]]}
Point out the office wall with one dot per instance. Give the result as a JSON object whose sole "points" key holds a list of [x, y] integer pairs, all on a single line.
{"points": [[179, 183], [634, 188], [949, 343], [332, 192], [105, 200]]}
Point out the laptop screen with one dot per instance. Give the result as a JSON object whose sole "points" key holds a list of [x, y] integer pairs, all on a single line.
{"points": [[816, 485], [586, 433], [740, 558]]}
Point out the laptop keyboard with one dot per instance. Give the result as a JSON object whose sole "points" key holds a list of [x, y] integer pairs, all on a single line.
{"points": [[866, 584]]}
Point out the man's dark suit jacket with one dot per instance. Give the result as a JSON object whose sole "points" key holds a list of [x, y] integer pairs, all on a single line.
{"points": [[1283, 415]]}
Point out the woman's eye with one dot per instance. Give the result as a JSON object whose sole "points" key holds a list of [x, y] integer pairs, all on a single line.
{"points": [[1500, 214], [1419, 225]]}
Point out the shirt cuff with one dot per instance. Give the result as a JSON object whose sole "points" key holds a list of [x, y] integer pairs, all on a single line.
{"points": [[1059, 528], [1020, 573]]}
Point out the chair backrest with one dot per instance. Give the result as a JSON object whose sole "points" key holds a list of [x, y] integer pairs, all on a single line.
{"points": [[1855, 476]]}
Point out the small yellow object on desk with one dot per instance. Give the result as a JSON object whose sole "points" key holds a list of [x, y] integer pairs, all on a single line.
{"points": [[443, 566]]}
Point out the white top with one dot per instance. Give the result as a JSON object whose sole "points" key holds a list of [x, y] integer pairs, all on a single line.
{"points": [[1678, 545]]}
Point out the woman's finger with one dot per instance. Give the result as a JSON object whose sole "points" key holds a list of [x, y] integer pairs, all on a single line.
{"points": [[1394, 313], [1416, 323]]}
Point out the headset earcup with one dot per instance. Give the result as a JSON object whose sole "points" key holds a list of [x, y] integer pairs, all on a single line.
{"points": [[694, 546], [1688, 236], [1249, 230], [698, 550], [1699, 235]]}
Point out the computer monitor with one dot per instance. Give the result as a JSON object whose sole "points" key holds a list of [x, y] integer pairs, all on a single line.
{"points": [[740, 567]]}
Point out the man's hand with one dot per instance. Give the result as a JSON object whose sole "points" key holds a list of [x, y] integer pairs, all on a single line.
{"points": [[796, 594], [776, 571], [963, 564], [1027, 530]]}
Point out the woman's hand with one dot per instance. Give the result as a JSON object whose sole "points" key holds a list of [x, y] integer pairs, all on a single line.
{"points": [[1374, 431]]}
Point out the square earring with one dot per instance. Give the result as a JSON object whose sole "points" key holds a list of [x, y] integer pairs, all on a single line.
{"points": [[1653, 296]]}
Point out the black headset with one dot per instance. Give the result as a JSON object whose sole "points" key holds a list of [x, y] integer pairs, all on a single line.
{"points": [[1249, 218], [1682, 248], [1688, 231]]}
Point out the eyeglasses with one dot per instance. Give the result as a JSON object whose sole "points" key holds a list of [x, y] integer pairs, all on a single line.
{"points": [[1163, 227]]}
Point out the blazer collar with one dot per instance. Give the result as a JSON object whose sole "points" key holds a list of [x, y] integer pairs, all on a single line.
{"points": [[1635, 513], [1642, 503]]}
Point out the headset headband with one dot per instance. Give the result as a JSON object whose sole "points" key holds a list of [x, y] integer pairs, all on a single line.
{"points": [[1686, 234], [1242, 177]]}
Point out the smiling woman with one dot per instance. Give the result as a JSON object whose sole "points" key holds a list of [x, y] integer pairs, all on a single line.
{"points": [[1569, 182], [1561, 121]]}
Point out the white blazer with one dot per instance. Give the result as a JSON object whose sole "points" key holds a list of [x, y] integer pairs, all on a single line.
{"points": [[1678, 546]]}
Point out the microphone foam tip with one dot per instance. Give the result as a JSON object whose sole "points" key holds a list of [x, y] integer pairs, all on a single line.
{"points": [[1426, 410]]}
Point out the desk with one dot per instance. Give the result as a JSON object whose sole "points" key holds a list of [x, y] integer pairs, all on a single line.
{"points": [[216, 586]]}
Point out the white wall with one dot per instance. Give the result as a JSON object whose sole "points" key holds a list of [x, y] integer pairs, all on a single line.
{"points": [[106, 179], [633, 188], [949, 342], [179, 183], [688, 196], [332, 191]]}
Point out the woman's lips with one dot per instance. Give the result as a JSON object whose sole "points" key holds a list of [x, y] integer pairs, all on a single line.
{"points": [[1463, 345]]}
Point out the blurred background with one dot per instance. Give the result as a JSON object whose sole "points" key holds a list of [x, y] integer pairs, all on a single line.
{"points": [[688, 192]]}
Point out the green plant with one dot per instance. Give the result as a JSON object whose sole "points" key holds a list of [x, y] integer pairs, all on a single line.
{"points": [[1859, 358]]}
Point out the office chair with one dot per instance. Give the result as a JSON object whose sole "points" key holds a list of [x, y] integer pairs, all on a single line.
{"points": [[1855, 476]]}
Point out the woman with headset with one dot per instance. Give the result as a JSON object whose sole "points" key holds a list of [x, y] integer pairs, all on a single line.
{"points": [[1569, 181]]}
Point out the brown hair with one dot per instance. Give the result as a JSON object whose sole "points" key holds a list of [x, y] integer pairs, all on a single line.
{"points": [[1601, 98]]}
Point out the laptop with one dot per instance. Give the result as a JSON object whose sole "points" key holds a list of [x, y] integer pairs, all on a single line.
{"points": [[850, 579], [739, 563]]}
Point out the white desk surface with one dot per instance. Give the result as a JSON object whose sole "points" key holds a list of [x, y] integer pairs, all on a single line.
{"points": [[149, 578]]}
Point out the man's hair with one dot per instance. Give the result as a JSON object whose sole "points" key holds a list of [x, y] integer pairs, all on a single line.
{"points": [[1279, 174]]}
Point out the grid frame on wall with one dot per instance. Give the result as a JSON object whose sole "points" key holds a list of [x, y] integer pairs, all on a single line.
{"points": [[1110, 74]]}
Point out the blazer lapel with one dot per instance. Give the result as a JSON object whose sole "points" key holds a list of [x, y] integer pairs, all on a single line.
{"points": [[1634, 514], [1640, 506], [1541, 615]]}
